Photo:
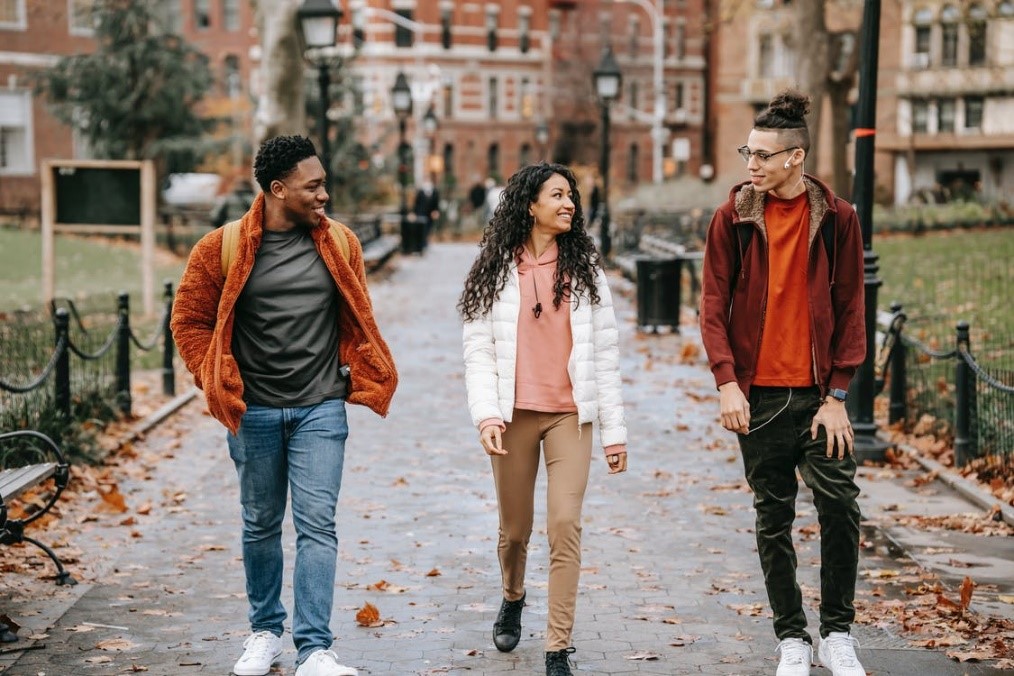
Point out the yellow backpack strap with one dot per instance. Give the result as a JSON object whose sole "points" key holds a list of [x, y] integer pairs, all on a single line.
{"points": [[230, 243], [339, 236]]}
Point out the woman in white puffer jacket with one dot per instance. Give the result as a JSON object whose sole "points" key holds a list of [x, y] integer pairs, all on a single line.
{"points": [[541, 365]]}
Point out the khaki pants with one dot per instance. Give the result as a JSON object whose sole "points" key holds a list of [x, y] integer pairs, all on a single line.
{"points": [[568, 458]]}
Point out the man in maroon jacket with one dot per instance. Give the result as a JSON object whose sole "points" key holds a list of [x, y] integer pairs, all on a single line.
{"points": [[782, 320]]}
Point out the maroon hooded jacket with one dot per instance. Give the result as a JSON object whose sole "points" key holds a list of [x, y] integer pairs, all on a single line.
{"points": [[734, 311]]}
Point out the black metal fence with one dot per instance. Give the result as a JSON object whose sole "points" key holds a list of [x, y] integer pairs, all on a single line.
{"points": [[59, 378], [972, 391]]}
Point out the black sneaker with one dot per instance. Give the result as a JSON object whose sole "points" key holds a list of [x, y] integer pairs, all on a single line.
{"points": [[557, 663], [507, 628]]}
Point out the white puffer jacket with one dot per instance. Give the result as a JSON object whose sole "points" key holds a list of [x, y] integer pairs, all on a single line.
{"points": [[594, 366]]}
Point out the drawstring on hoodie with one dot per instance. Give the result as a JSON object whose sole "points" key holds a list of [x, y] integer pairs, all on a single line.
{"points": [[537, 310]]}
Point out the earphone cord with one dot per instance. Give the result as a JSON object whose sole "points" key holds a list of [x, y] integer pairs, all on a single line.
{"points": [[780, 411]]}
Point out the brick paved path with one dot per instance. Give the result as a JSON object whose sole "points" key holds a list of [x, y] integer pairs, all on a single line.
{"points": [[670, 585]]}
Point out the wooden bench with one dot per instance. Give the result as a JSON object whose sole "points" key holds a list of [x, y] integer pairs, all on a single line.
{"points": [[653, 246], [23, 466], [377, 247]]}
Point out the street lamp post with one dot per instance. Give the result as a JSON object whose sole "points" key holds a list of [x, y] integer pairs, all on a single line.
{"points": [[608, 80], [318, 20], [862, 391], [542, 138], [401, 100]]}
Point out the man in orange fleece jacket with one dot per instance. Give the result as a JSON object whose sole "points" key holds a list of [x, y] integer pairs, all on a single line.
{"points": [[279, 344]]}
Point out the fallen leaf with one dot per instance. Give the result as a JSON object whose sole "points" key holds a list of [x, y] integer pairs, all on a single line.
{"points": [[115, 644], [369, 616], [645, 657], [434, 573]]}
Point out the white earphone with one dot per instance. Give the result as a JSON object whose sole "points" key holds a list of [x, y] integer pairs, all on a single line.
{"points": [[787, 163]]}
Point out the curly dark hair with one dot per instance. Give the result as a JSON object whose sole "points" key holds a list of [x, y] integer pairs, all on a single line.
{"points": [[505, 237], [278, 156], [786, 113]]}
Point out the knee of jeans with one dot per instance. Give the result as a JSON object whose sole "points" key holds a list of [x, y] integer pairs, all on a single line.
{"points": [[261, 522]]}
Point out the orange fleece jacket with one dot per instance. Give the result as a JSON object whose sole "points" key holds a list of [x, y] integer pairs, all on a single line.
{"points": [[204, 311]]}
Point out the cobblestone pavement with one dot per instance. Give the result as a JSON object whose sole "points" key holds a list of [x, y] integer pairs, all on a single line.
{"points": [[670, 583]]}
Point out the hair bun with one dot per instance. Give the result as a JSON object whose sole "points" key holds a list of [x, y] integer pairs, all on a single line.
{"points": [[790, 104]]}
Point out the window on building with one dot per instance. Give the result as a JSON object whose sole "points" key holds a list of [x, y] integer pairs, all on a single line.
{"points": [[232, 79], [920, 116], [923, 34], [666, 38], [681, 41], [448, 163], [446, 20], [169, 16], [202, 14], [448, 98], [15, 138], [1005, 9], [766, 55], [973, 112], [12, 14], [403, 36], [633, 97], [679, 94], [525, 154], [949, 34], [492, 101], [358, 95], [527, 103], [634, 36], [633, 159], [555, 18], [524, 29], [230, 15], [82, 19], [493, 160], [976, 35], [492, 24], [945, 115]]}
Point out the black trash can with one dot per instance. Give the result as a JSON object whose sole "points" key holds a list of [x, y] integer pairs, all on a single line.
{"points": [[658, 292], [413, 236]]}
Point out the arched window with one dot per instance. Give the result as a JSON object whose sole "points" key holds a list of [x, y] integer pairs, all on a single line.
{"points": [[493, 161], [232, 80], [976, 35], [633, 160], [1005, 9], [525, 154], [949, 34]]}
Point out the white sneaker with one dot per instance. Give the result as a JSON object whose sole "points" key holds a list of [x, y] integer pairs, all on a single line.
{"points": [[261, 649], [797, 656], [838, 653], [325, 663]]}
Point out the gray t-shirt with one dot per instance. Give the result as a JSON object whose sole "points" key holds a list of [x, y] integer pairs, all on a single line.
{"points": [[285, 336]]}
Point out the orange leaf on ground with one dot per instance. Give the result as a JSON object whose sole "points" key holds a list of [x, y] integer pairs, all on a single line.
{"points": [[966, 592], [434, 573], [369, 616], [112, 501]]}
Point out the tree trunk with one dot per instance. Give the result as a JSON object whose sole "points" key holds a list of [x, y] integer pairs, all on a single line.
{"points": [[281, 108], [841, 177], [810, 48]]}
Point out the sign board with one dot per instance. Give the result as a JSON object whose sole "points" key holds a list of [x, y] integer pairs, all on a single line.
{"points": [[681, 149], [99, 197]]}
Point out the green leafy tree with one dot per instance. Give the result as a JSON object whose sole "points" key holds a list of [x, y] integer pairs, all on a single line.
{"points": [[136, 96]]}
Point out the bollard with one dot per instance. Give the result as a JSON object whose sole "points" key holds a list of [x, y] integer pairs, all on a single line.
{"points": [[898, 408], [963, 384], [123, 353], [61, 322], [168, 346]]}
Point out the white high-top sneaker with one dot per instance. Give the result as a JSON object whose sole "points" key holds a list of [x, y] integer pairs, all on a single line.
{"points": [[260, 650], [797, 656], [838, 653]]}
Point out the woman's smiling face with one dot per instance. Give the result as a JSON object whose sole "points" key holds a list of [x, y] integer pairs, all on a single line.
{"points": [[553, 209]]}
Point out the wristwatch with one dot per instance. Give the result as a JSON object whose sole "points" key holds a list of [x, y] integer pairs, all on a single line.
{"points": [[835, 393]]}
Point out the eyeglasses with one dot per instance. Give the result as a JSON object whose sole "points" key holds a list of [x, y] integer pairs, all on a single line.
{"points": [[762, 157]]}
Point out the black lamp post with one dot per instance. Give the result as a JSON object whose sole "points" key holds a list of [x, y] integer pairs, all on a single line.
{"points": [[401, 101], [542, 138], [862, 390], [430, 125], [318, 21], [608, 80]]}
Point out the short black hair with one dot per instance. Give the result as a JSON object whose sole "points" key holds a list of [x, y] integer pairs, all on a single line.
{"points": [[278, 156], [786, 114]]}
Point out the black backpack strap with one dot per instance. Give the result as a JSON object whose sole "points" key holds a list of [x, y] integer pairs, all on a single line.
{"points": [[827, 234], [744, 233]]}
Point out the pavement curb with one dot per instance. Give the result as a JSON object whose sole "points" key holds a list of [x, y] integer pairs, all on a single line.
{"points": [[158, 416], [962, 486]]}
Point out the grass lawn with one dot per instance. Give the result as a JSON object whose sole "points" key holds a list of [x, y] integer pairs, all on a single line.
{"points": [[89, 268], [944, 277]]}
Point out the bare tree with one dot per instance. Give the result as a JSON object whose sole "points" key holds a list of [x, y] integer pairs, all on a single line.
{"points": [[281, 108]]}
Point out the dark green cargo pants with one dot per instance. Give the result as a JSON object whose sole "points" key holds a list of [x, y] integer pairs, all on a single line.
{"points": [[771, 455]]}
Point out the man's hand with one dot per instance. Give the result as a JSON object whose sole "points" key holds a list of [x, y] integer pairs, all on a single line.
{"points": [[735, 409], [835, 419]]}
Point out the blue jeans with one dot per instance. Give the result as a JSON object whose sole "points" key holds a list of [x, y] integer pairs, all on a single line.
{"points": [[302, 449]]}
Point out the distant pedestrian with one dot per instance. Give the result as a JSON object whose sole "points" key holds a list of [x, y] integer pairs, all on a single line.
{"points": [[232, 205], [541, 364], [782, 320], [426, 208], [279, 333], [494, 191], [477, 201]]}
